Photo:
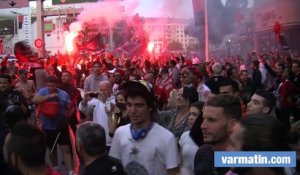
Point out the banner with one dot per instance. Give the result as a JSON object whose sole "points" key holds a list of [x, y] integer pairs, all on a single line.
{"points": [[20, 21], [58, 2], [198, 7], [1, 45]]}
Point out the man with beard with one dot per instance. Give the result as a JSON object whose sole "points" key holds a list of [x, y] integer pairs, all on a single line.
{"points": [[221, 113], [116, 79], [91, 83]]}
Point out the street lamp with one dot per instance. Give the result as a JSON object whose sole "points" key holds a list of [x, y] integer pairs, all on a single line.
{"points": [[228, 43]]}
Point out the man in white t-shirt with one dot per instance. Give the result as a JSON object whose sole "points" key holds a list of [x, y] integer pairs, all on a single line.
{"points": [[98, 106], [143, 146]]}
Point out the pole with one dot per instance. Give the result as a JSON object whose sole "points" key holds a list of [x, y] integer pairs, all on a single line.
{"points": [[14, 26], [206, 31], [40, 25], [111, 42]]}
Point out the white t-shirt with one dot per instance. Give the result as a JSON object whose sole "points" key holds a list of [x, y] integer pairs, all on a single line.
{"points": [[99, 115], [152, 155], [188, 152]]}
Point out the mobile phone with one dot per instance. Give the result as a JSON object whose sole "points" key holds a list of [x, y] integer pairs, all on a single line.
{"points": [[121, 106], [93, 94], [108, 105]]}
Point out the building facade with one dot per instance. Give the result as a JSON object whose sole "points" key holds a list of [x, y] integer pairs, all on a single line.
{"points": [[287, 14], [162, 31]]}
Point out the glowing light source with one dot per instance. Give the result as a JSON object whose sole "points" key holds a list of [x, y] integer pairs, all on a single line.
{"points": [[69, 38], [59, 68], [75, 27], [150, 47]]}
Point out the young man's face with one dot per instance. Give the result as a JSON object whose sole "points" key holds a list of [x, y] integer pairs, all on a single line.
{"points": [[138, 111], [23, 76], [96, 69], [256, 105], [295, 68], [279, 69], [226, 90], [66, 78], [4, 84], [216, 127], [244, 76], [51, 87]]}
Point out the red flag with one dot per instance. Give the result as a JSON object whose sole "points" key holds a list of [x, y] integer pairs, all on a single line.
{"points": [[198, 7], [1, 46], [20, 19], [277, 28], [94, 44], [24, 53]]}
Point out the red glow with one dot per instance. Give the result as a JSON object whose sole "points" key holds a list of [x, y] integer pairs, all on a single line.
{"points": [[69, 38], [150, 47]]}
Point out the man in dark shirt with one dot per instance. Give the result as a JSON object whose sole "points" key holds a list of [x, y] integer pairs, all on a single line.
{"points": [[296, 97], [214, 82], [91, 147], [256, 79], [9, 97]]}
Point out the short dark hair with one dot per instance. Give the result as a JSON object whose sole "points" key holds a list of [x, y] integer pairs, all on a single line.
{"points": [[51, 79], [281, 65], [68, 72], [190, 93], [29, 143], [296, 62], [269, 98], [136, 76], [140, 89], [96, 62], [230, 82], [5, 76], [263, 132], [231, 105], [255, 63], [173, 62], [244, 71], [230, 71], [92, 138]]}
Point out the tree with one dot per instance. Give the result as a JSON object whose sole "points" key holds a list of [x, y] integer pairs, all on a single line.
{"points": [[175, 45]]}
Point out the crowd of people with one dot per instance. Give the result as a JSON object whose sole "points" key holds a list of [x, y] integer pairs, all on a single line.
{"points": [[146, 116]]}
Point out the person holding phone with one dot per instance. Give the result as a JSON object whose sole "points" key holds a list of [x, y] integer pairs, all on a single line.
{"points": [[118, 117], [99, 107]]}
